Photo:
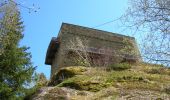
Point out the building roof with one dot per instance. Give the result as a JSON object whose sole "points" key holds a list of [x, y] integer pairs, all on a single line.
{"points": [[86, 31]]}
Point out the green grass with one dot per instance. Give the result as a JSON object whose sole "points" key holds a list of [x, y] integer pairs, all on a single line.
{"points": [[120, 66], [138, 77], [65, 73]]}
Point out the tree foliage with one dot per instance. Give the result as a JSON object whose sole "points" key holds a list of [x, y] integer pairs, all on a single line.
{"points": [[33, 8], [16, 69], [152, 19]]}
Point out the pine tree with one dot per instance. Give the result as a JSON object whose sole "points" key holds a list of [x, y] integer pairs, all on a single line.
{"points": [[16, 69]]}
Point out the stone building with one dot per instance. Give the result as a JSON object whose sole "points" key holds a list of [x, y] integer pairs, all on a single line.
{"points": [[100, 46]]}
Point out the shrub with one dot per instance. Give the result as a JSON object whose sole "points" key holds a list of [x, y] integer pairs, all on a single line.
{"points": [[120, 66], [154, 71], [160, 70]]}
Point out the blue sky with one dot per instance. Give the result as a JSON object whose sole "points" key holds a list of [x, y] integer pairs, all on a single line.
{"points": [[40, 27]]}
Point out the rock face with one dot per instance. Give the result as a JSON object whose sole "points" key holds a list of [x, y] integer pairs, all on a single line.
{"points": [[59, 93], [96, 43], [51, 93], [111, 93]]}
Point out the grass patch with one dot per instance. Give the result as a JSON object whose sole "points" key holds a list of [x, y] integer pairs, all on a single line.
{"points": [[110, 92], [96, 79], [65, 73], [158, 70], [82, 82], [120, 66]]}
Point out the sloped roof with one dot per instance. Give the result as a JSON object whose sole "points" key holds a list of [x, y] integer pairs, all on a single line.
{"points": [[91, 32]]}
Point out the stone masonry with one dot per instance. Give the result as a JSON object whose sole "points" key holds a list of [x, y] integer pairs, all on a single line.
{"points": [[98, 43]]}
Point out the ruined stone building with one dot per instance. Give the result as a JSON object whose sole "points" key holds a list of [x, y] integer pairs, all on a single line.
{"points": [[100, 46]]}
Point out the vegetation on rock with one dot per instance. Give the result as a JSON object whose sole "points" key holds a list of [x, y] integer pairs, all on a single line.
{"points": [[93, 83], [120, 66]]}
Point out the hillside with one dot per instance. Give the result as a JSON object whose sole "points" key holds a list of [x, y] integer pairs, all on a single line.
{"points": [[123, 82]]}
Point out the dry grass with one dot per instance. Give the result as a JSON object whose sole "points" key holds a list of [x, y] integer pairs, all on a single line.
{"points": [[140, 82], [95, 79], [109, 84]]}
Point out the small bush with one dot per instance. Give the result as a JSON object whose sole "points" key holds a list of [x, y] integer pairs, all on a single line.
{"points": [[154, 71], [160, 70], [120, 66]]}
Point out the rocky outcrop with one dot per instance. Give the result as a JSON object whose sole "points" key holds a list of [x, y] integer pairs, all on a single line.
{"points": [[111, 93], [141, 82]]}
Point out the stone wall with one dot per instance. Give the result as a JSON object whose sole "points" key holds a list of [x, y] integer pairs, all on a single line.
{"points": [[92, 38]]}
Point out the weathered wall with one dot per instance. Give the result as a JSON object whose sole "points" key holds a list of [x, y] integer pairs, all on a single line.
{"points": [[92, 38]]}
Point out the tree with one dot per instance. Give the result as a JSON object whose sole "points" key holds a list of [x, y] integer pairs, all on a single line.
{"points": [[16, 69], [42, 80], [30, 9], [79, 52], [152, 19], [83, 54]]}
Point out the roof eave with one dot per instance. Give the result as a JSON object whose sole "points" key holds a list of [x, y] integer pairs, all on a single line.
{"points": [[52, 49]]}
